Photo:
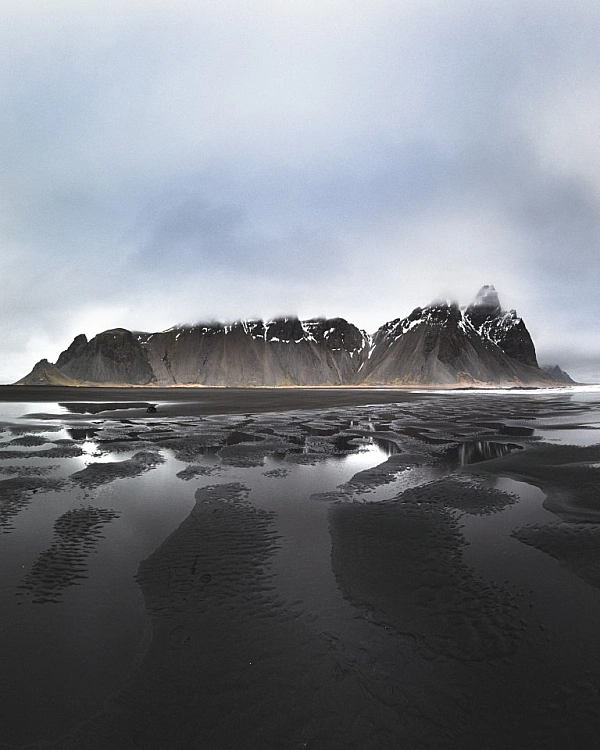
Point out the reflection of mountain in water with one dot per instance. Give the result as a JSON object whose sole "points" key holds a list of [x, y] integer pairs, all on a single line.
{"points": [[81, 433], [507, 429], [484, 450], [388, 446]]}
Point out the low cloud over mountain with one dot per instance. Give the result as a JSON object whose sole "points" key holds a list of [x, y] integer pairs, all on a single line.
{"points": [[440, 344]]}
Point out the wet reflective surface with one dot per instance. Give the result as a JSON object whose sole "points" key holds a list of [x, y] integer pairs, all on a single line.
{"points": [[484, 450], [418, 574]]}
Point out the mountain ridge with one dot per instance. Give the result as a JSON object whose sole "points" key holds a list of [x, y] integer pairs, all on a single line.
{"points": [[440, 344]]}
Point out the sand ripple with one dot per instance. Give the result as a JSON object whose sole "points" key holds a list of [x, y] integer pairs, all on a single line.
{"points": [[76, 533], [575, 545], [96, 474], [16, 493], [401, 561]]}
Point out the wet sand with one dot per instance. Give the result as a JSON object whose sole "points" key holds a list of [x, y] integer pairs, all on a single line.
{"points": [[209, 400], [198, 401], [420, 573]]}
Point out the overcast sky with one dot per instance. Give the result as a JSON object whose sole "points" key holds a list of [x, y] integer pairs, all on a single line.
{"points": [[167, 162]]}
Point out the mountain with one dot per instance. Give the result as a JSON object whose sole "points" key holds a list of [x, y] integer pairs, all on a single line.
{"points": [[285, 351], [560, 376], [444, 344], [505, 329], [441, 344], [114, 356], [45, 373]]}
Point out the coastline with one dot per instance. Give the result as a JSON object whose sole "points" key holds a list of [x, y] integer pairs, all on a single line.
{"points": [[325, 386], [257, 638], [204, 400]]}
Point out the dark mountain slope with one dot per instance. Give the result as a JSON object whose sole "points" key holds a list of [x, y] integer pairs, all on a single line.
{"points": [[442, 344], [114, 356], [560, 376], [45, 373], [285, 351], [437, 345], [505, 329]]}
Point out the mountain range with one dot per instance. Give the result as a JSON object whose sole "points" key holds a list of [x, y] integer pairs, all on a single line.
{"points": [[441, 344]]}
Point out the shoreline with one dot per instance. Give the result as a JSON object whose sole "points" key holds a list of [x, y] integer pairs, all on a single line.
{"points": [[208, 400], [324, 386]]}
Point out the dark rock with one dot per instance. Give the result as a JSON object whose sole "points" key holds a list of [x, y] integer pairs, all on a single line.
{"points": [[439, 344], [285, 351], [114, 356], [74, 351], [505, 329], [45, 373], [557, 374]]}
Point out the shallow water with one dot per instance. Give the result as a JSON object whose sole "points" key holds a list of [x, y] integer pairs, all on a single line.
{"points": [[584, 435], [76, 628], [99, 630], [95, 635], [549, 586]]}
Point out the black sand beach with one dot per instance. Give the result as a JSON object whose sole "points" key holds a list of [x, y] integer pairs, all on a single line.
{"points": [[198, 401], [299, 568]]}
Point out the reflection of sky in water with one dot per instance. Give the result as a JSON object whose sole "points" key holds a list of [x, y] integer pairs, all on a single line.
{"points": [[586, 394], [302, 564], [80, 632], [582, 436], [20, 410], [94, 452], [494, 551], [78, 639]]}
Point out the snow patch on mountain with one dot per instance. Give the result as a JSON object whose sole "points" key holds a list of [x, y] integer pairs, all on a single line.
{"points": [[441, 343]]}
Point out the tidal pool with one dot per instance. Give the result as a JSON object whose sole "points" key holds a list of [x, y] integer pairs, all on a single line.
{"points": [[355, 577]]}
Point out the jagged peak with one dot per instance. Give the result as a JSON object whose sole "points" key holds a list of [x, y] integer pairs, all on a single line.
{"points": [[437, 314], [285, 328], [486, 298]]}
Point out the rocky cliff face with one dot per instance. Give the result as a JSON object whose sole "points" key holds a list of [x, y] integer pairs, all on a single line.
{"points": [[442, 344], [439, 344], [505, 329], [45, 373], [114, 356], [285, 351], [560, 376]]}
